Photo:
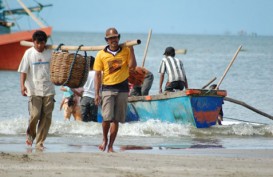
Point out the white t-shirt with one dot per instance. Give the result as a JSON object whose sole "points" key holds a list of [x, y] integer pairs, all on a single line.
{"points": [[36, 65], [89, 86]]}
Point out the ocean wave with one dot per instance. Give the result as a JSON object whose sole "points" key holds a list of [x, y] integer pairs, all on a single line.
{"points": [[149, 128]]}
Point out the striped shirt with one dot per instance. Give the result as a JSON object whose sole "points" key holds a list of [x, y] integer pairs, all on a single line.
{"points": [[174, 68]]}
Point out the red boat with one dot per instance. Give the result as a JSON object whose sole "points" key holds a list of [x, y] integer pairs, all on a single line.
{"points": [[11, 52]]}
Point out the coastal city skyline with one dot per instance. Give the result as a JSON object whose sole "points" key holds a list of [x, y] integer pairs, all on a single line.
{"points": [[225, 17]]}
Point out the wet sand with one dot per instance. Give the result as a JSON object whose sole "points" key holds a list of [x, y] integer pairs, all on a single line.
{"points": [[195, 162]]}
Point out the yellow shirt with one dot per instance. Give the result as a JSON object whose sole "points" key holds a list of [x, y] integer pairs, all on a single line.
{"points": [[115, 68]]}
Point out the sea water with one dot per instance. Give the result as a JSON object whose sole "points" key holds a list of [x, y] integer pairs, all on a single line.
{"points": [[249, 79]]}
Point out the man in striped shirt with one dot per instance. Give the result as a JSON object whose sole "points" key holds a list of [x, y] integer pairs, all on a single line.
{"points": [[177, 79]]}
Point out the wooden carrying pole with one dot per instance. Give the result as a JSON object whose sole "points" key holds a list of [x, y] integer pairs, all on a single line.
{"points": [[31, 14], [146, 48], [248, 106], [234, 57], [180, 51], [83, 48]]}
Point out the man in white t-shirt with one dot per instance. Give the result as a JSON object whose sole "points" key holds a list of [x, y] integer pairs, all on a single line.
{"points": [[35, 83]]}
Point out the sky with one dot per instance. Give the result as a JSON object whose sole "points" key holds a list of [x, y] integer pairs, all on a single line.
{"points": [[162, 16]]}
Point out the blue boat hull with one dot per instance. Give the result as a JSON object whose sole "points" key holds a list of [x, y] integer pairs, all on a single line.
{"points": [[200, 110]]}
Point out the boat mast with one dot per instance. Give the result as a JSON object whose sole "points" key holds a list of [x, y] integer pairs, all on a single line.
{"points": [[31, 14], [23, 12]]}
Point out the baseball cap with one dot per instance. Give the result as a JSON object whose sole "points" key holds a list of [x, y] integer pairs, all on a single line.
{"points": [[169, 51], [111, 32]]}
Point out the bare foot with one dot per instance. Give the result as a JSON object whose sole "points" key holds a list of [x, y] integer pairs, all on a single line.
{"points": [[102, 147], [40, 147], [29, 140], [110, 149]]}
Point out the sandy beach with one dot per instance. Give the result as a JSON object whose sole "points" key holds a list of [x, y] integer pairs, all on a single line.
{"points": [[197, 162]]}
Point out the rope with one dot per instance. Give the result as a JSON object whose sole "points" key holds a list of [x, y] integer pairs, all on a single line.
{"points": [[244, 121], [59, 47], [87, 65], [72, 65]]}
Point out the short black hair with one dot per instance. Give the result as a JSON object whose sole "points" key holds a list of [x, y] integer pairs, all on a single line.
{"points": [[39, 36]]}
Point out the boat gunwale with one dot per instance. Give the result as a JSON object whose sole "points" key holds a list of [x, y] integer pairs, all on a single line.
{"points": [[18, 36], [168, 95]]}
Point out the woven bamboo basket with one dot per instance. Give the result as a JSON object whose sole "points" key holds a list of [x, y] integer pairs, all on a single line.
{"points": [[69, 69]]}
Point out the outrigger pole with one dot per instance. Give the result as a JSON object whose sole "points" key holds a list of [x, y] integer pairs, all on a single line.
{"points": [[248, 106], [231, 62], [146, 48]]}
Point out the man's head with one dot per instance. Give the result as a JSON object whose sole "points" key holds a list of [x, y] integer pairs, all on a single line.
{"points": [[39, 36], [213, 86], [39, 39], [112, 38], [169, 51]]}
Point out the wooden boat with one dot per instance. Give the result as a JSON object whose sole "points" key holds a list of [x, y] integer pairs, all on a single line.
{"points": [[196, 107], [10, 48]]}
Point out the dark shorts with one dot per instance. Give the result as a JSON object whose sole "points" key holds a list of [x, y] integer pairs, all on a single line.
{"points": [[175, 85], [89, 110]]}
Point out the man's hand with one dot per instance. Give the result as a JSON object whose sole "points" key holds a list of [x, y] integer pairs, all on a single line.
{"points": [[97, 100], [24, 91]]}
